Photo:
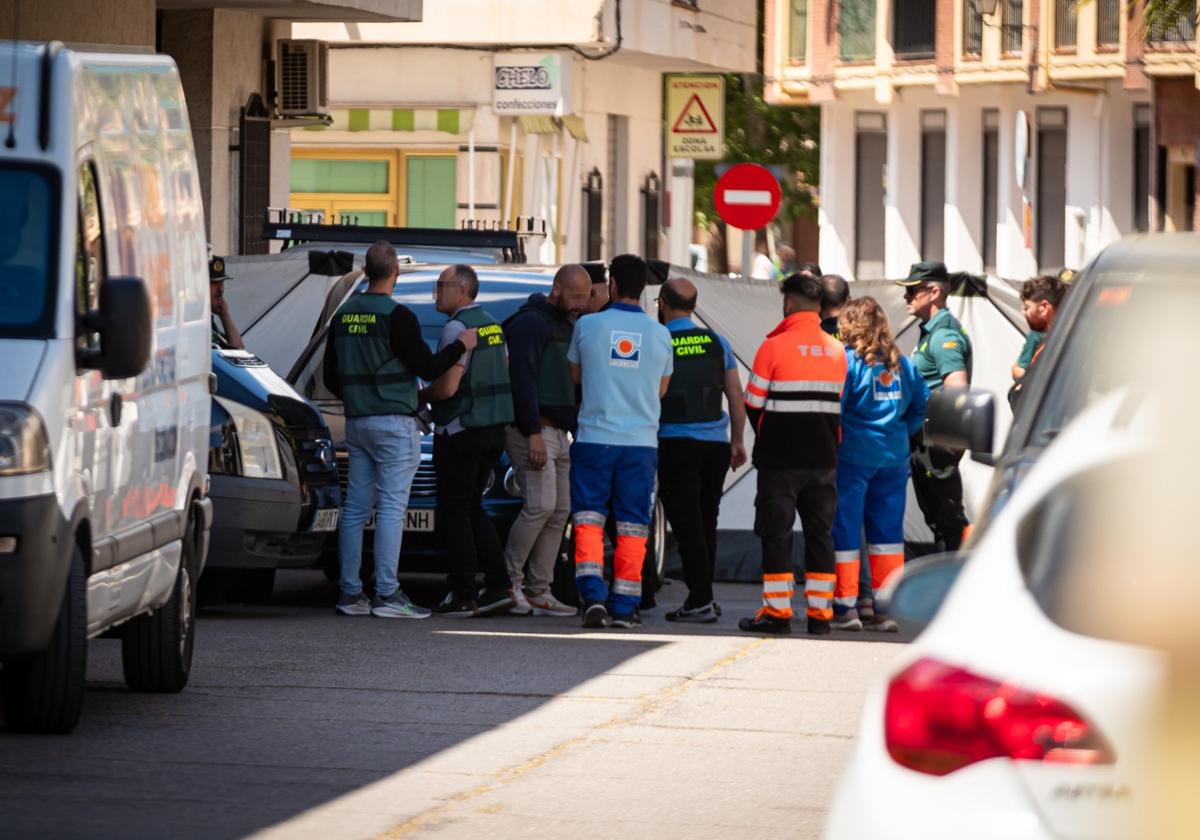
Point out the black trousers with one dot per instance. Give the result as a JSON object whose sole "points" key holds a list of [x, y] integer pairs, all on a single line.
{"points": [[783, 493], [937, 484], [464, 461], [691, 477]]}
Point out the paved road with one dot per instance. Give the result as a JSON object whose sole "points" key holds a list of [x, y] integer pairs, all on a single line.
{"points": [[301, 723]]}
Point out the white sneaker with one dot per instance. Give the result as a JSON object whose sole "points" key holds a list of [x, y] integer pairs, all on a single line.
{"points": [[520, 604], [547, 604]]}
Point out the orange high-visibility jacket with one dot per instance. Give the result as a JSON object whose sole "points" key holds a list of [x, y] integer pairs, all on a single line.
{"points": [[794, 396]]}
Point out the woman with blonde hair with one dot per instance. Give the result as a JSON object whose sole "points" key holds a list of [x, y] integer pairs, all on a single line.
{"points": [[883, 405]]}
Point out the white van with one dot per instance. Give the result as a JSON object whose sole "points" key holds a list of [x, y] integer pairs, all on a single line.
{"points": [[104, 375]]}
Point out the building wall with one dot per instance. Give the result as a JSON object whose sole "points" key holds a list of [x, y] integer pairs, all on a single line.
{"points": [[433, 78], [1099, 203], [123, 23]]}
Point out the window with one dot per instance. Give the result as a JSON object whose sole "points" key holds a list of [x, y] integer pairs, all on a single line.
{"points": [[377, 186], [1108, 23], [870, 159], [1013, 15], [991, 186], [1141, 168], [798, 31], [89, 256], [431, 190], [1065, 16], [972, 37], [1051, 188], [1182, 32], [28, 249], [856, 30], [933, 184], [913, 27]]}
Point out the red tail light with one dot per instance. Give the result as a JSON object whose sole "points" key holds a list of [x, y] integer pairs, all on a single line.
{"points": [[939, 718]]}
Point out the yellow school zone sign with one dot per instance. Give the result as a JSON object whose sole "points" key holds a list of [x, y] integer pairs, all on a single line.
{"points": [[696, 116]]}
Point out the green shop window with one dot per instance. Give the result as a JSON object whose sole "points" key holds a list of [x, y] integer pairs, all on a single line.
{"points": [[312, 175], [431, 196]]}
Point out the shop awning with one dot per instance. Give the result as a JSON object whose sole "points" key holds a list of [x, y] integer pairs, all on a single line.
{"points": [[448, 120]]}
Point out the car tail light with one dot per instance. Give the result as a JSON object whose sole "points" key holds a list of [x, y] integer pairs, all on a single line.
{"points": [[939, 718]]}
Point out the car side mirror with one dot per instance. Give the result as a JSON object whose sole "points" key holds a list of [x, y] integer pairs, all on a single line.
{"points": [[958, 418], [922, 587], [125, 326]]}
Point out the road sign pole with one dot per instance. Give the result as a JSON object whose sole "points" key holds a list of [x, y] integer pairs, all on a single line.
{"points": [[747, 236]]}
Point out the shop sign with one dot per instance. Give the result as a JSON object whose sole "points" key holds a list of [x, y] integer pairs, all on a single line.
{"points": [[530, 83]]}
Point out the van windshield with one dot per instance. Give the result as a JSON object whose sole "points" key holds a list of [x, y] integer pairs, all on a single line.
{"points": [[28, 230]]}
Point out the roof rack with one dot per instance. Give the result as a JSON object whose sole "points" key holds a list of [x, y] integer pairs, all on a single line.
{"points": [[294, 227]]}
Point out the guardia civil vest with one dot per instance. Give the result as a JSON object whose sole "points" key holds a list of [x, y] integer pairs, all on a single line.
{"points": [[373, 380], [555, 386], [694, 393], [484, 396]]}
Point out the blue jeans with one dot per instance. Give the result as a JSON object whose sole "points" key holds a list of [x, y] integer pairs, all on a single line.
{"points": [[385, 451]]}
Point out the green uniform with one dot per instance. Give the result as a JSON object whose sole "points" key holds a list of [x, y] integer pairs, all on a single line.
{"points": [[1033, 340], [942, 348], [373, 380], [484, 396]]}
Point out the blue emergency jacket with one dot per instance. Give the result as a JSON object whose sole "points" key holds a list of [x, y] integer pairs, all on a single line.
{"points": [[881, 410]]}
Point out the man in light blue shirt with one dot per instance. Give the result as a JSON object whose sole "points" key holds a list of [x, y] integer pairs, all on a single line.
{"points": [[623, 359], [695, 451]]}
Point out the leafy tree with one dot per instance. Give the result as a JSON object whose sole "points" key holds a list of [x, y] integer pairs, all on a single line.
{"points": [[772, 135], [1164, 15]]}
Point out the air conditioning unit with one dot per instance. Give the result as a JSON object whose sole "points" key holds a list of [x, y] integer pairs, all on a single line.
{"points": [[302, 68]]}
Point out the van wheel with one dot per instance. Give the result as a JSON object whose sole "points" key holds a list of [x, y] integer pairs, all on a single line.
{"points": [[44, 693], [156, 649], [656, 554], [253, 586]]}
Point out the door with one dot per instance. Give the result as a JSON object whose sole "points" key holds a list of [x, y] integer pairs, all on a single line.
{"points": [[870, 155], [1052, 189], [431, 191]]}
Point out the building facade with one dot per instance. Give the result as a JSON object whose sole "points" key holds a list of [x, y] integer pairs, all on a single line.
{"points": [[432, 124], [1006, 136]]}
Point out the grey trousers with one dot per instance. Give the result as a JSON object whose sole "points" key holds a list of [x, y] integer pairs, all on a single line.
{"points": [[536, 535]]}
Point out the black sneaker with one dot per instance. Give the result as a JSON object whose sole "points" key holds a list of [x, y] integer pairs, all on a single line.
{"points": [[628, 622], [818, 627], [763, 623], [495, 601], [703, 614], [595, 615], [454, 607]]}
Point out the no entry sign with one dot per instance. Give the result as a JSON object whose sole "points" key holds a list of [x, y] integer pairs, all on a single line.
{"points": [[747, 196]]}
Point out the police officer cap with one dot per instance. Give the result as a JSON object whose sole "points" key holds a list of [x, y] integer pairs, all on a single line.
{"points": [[929, 271], [216, 270]]}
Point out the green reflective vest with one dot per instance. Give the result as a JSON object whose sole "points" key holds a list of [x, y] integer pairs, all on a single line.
{"points": [[484, 396], [373, 380], [694, 393], [555, 386]]}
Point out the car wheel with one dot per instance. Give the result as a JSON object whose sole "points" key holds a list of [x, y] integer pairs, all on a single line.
{"points": [[253, 586], [156, 649], [44, 693], [563, 584], [656, 552]]}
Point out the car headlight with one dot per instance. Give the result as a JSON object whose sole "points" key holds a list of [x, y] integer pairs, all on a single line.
{"points": [[512, 485], [24, 447], [256, 441]]}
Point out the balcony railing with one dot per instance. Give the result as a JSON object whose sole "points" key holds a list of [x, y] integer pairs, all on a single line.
{"points": [[1064, 24], [914, 24], [1013, 15], [1108, 23], [972, 29], [1182, 31], [798, 31]]}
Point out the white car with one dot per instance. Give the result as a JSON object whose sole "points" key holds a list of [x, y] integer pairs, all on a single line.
{"points": [[1007, 718]]}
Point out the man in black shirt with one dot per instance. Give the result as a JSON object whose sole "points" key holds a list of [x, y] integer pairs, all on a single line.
{"points": [[546, 409], [373, 357]]}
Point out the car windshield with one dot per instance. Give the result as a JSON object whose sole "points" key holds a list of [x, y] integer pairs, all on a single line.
{"points": [[1101, 352], [27, 241]]}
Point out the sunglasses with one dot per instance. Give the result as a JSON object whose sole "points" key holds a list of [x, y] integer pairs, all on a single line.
{"points": [[913, 291]]}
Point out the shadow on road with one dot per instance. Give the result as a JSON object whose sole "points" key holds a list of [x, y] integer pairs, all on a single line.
{"points": [[290, 707]]}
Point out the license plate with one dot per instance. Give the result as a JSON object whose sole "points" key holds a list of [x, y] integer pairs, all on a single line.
{"points": [[326, 520], [414, 520]]}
